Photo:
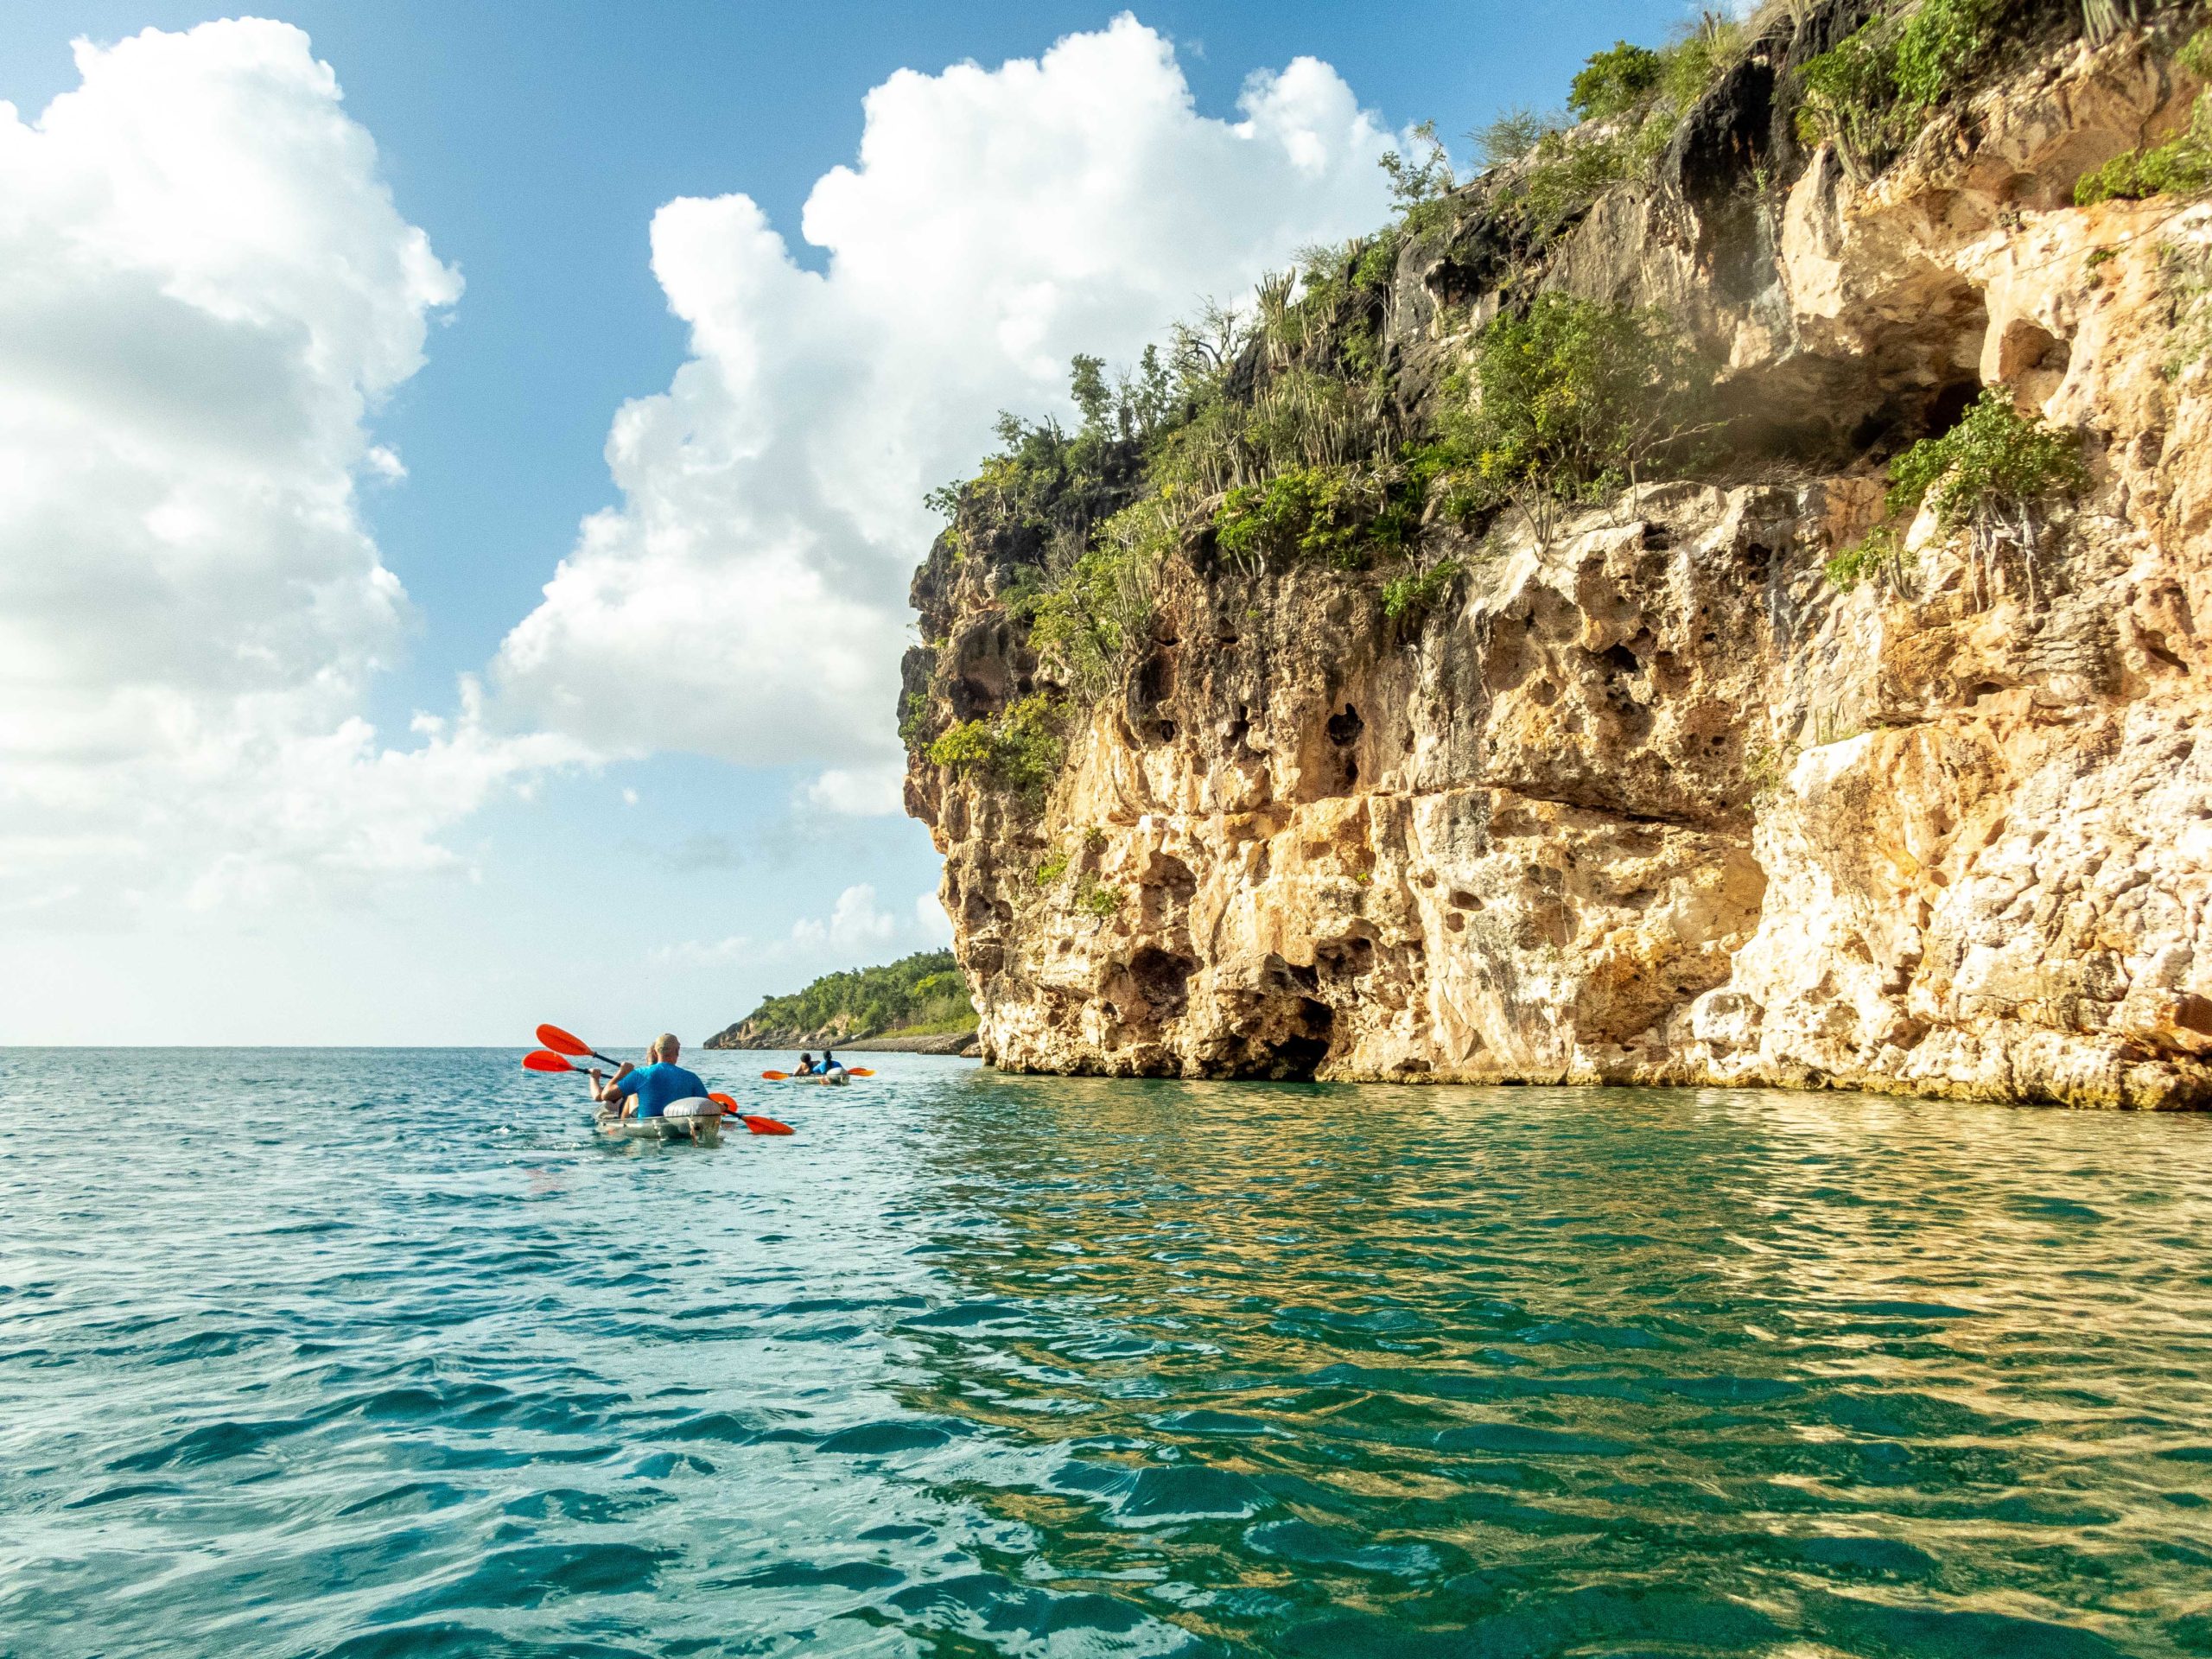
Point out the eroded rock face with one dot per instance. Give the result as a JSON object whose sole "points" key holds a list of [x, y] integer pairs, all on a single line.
{"points": [[1655, 802]]}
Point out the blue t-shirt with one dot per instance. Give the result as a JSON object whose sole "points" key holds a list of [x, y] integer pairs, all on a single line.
{"points": [[659, 1086]]}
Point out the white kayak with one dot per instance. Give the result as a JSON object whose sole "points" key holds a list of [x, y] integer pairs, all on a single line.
{"points": [[836, 1078], [699, 1121]]}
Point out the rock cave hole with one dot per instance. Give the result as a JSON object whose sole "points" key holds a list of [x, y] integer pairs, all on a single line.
{"points": [[1295, 1057], [2031, 360], [1949, 405], [1349, 958], [1163, 979], [1154, 685], [2156, 651]]}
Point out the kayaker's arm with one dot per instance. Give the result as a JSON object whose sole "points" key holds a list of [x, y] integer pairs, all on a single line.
{"points": [[606, 1090]]}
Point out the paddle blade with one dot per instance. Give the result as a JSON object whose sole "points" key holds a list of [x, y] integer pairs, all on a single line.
{"points": [[777, 1077], [859, 1071], [562, 1042], [539, 1060], [758, 1125]]}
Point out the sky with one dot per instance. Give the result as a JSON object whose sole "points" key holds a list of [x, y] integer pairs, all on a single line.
{"points": [[461, 465]]}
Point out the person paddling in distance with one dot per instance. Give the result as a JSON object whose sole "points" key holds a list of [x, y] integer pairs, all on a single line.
{"points": [[805, 1066], [648, 1090]]}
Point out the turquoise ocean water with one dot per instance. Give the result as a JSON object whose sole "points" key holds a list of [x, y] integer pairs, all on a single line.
{"points": [[358, 1353]]}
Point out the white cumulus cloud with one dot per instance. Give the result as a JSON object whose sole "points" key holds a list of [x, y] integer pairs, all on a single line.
{"points": [[928, 916], [856, 924], [872, 792], [208, 291], [857, 930], [747, 599]]}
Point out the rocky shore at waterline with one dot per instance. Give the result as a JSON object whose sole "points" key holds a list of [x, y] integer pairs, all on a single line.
{"points": [[958, 1042]]}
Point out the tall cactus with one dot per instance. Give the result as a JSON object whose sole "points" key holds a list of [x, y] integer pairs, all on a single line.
{"points": [[2102, 19]]}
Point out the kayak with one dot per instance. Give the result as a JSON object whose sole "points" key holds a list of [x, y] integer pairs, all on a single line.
{"points": [[699, 1131], [699, 1121], [835, 1079]]}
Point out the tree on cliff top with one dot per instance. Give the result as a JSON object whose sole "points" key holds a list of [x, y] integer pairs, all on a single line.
{"points": [[1614, 80]]}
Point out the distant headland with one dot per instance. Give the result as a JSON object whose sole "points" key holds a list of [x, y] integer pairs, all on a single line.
{"points": [[916, 1005]]}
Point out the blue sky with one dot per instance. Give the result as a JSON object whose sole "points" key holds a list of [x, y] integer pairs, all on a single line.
{"points": [[534, 145]]}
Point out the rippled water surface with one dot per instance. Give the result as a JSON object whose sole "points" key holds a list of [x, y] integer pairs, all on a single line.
{"points": [[378, 1353]]}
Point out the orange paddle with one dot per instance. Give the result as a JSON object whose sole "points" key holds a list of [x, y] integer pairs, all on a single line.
{"points": [[575, 1048], [758, 1125], [850, 1071]]}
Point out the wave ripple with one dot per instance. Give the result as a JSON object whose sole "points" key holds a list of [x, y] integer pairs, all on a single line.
{"points": [[991, 1364]]}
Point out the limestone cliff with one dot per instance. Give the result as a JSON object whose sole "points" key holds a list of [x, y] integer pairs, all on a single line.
{"points": [[1650, 795]]}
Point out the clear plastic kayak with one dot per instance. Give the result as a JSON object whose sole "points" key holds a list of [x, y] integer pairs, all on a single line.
{"points": [[697, 1121]]}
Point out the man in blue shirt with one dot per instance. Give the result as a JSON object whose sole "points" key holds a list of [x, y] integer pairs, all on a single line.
{"points": [[650, 1089]]}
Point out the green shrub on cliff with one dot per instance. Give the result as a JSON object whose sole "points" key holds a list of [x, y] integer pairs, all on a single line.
{"points": [[1702, 51], [1411, 596], [1938, 45], [1872, 91], [1995, 473], [1849, 93], [2182, 164], [1019, 752], [1574, 399], [1879, 555], [1096, 898], [1512, 133], [1421, 181], [1091, 614], [1614, 80], [1338, 516], [1571, 171], [1634, 98], [1995, 463]]}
